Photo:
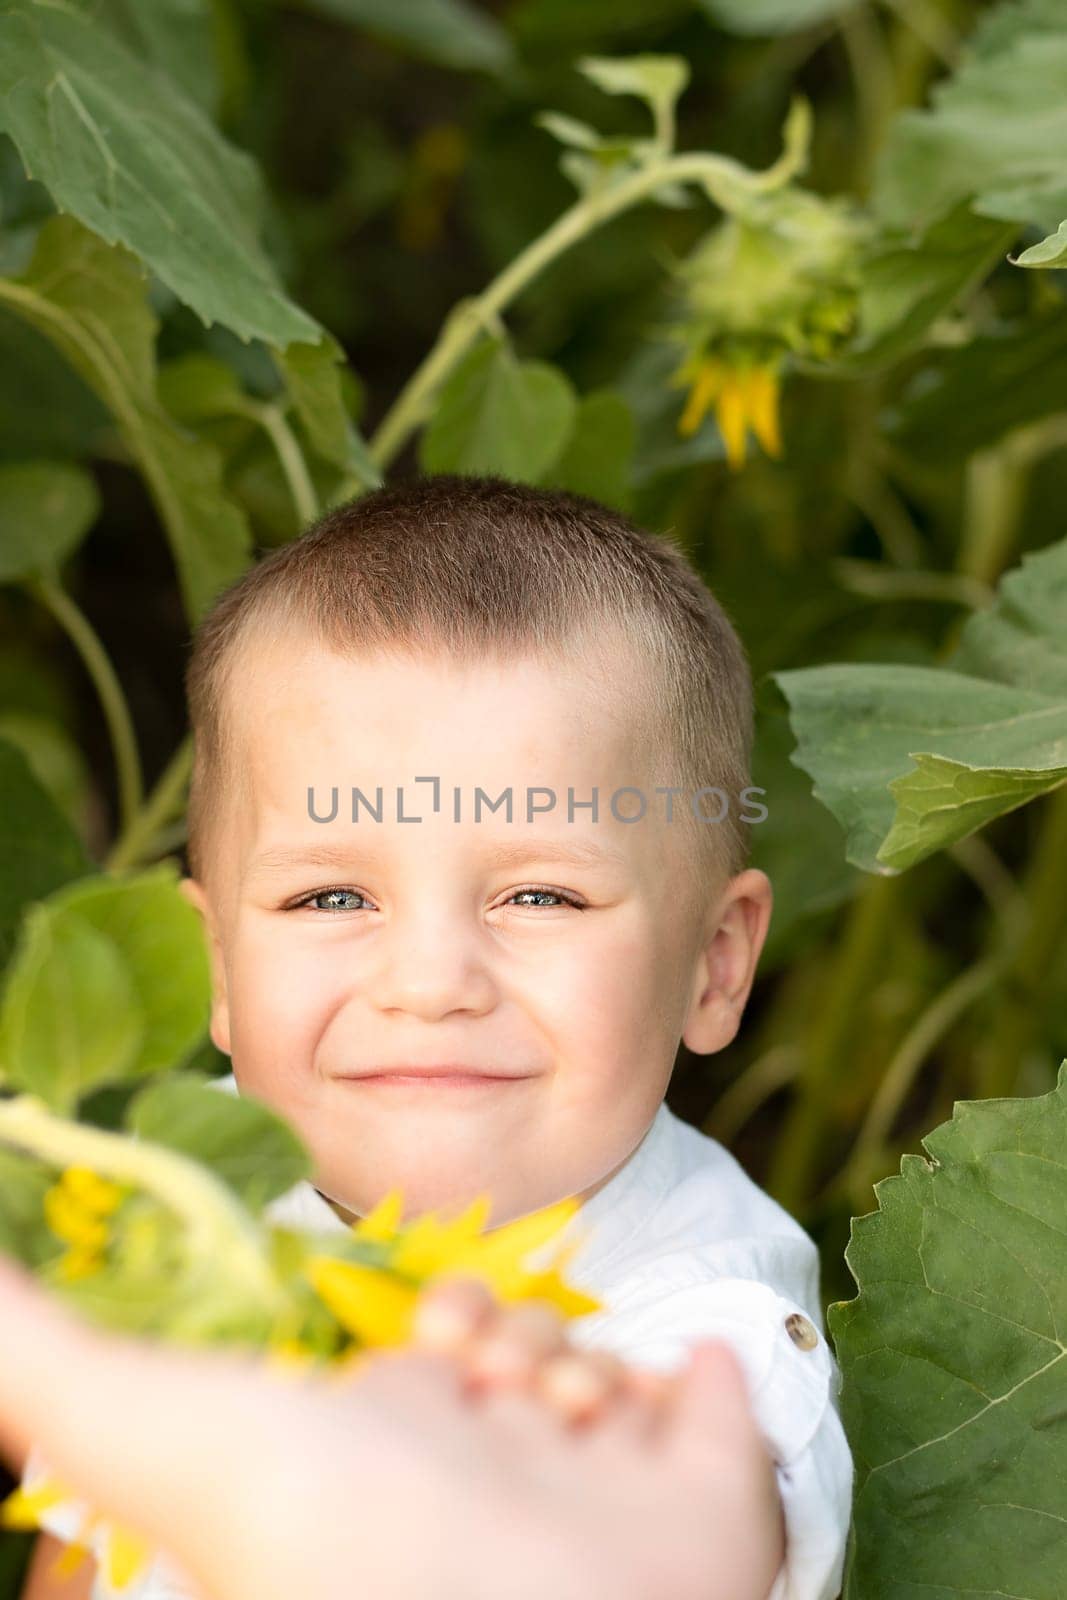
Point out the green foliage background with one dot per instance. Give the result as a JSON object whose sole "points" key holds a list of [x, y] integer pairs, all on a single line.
{"points": [[256, 257]]}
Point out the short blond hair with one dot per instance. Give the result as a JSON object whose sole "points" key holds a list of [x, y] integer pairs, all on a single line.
{"points": [[478, 567]]}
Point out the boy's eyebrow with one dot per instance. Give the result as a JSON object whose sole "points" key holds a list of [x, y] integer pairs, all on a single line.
{"points": [[508, 853]]}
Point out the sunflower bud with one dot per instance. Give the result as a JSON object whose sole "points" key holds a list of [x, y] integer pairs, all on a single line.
{"points": [[780, 279]]}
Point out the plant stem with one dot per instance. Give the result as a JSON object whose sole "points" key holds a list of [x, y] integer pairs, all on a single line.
{"points": [[165, 799], [97, 663], [874, 82], [832, 1039], [290, 457], [724, 180]]}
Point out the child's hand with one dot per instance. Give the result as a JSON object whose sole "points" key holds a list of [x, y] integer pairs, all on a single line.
{"points": [[526, 1347]]}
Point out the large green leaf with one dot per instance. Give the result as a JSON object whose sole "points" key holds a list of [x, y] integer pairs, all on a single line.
{"points": [[986, 733], [119, 146], [39, 850], [961, 400], [160, 938], [174, 35], [240, 1139], [452, 32], [994, 134], [45, 407], [598, 454], [46, 509], [498, 414], [90, 300], [908, 281], [954, 1364], [69, 1017]]}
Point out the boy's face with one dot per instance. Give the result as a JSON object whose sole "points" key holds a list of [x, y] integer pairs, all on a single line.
{"points": [[426, 948]]}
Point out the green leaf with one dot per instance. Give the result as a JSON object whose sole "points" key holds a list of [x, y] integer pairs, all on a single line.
{"points": [[496, 414], [312, 374], [451, 32], [657, 80], [994, 134], [90, 300], [46, 409], [174, 35], [160, 938], [24, 1234], [772, 16], [597, 457], [906, 283], [240, 1139], [39, 850], [953, 1361], [197, 386], [985, 733], [1050, 252], [69, 1017], [56, 761], [46, 509], [119, 146], [799, 845], [961, 400]]}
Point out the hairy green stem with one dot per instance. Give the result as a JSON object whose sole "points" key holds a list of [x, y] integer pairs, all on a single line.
{"points": [[725, 181], [97, 663], [290, 457], [137, 839]]}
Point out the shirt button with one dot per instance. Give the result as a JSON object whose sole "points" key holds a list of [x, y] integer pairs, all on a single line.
{"points": [[801, 1331]]}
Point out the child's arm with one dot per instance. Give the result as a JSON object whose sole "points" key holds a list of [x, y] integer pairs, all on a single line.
{"points": [[42, 1585]]}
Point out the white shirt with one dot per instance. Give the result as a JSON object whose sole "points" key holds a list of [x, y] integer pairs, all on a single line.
{"points": [[681, 1245]]}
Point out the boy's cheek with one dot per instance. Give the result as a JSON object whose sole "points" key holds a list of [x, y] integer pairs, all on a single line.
{"points": [[220, 1025]]}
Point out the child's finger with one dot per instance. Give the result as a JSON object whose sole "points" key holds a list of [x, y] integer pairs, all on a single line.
{"points": [[510, 1346], [578, 1384], [448, 1314], [707, 1407]]}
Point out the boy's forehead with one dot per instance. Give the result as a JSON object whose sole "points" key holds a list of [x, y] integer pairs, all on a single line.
{"points": [[299, 696], [308, 718]]}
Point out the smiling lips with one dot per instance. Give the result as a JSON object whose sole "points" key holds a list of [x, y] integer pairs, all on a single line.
{"points": [[445, 1074]]}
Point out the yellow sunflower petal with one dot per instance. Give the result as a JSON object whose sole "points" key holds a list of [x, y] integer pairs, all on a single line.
{"points": [[77, 1263], [731, 413], [763, 408], [125, 1557], [367, 1301], [96, 1194], [384, 1220], [707, 383], [70, 1561], [70, 1222], [24, 1508]]}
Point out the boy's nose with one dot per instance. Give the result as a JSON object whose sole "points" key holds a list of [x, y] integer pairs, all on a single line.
{"points": [[428, 970]]}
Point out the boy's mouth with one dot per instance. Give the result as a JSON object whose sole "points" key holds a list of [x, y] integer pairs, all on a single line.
{"points": [[453, 1075]]}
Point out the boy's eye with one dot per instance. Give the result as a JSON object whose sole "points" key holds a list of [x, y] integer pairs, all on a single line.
{"points": [[329, 894], [335, 898], [545, 894]]}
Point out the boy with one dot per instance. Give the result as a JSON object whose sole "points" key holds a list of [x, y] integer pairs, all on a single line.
{"points": [[445, 702]]}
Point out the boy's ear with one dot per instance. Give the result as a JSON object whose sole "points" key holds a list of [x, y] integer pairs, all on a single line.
{"points": [[727, 963], [220, 1011]]}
